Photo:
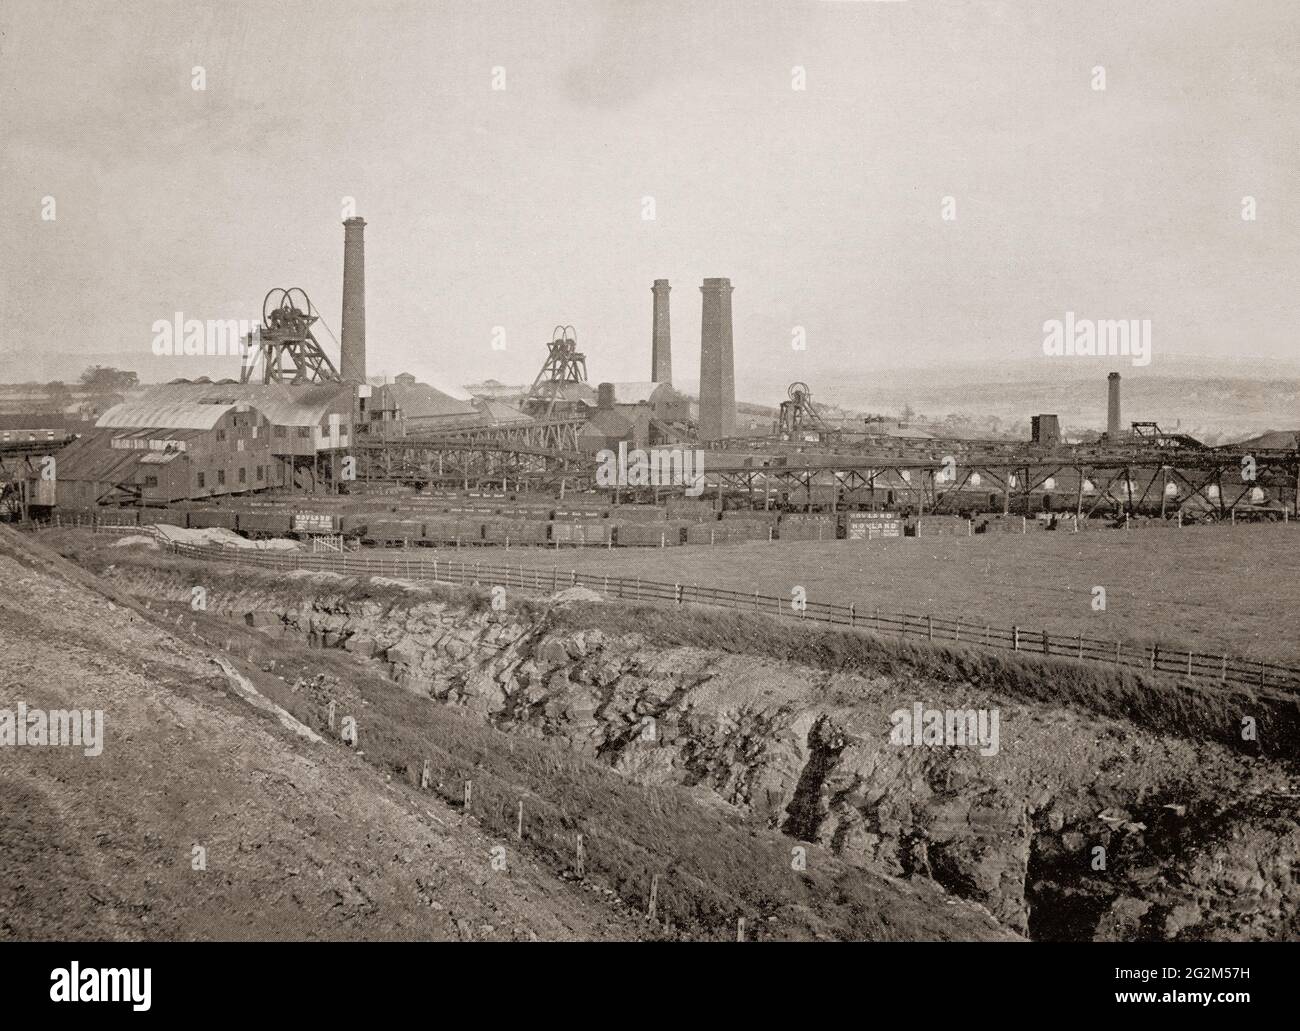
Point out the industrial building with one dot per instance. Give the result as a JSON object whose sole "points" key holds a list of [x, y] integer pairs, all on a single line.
{"points": [[160, 454]]}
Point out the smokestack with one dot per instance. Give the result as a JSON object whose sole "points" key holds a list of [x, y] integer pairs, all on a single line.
{"points": [[717, 363], [352, 348], [661, 351], [1112, 408]]}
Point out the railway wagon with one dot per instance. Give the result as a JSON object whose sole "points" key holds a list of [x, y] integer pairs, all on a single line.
{"points": [[212, 518], [578, 513], [731, 531], [941, 526], [265, 523], [316, 522], [394, 532], [751, 515], [153, 516], [691, 510], [544, 511], [582, 534], [647, 535], [808, 528], [515, 532], [449, 530], [355, 524], [870, 526], [638, 514]]}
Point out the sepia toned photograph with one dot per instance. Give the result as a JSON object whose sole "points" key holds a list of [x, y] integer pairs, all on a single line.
{"points": [[693, 471]]}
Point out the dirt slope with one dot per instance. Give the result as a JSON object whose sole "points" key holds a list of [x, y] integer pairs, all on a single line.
{"points": [[302, 840]]}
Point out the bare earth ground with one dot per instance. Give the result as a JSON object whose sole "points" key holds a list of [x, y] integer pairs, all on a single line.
{"points": [[1232, 589], [303, 840], [314, 840]]}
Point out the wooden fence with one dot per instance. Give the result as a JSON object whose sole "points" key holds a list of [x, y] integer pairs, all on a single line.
{"points": [[412, 565]]}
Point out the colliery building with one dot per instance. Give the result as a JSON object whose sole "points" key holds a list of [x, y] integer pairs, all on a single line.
{"points": [[168, 453], [201, 440]]}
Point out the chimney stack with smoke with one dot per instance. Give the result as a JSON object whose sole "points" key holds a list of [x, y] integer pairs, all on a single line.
{"points": [[352, 347], [1112, 407], [717, 363], [661, 352]]}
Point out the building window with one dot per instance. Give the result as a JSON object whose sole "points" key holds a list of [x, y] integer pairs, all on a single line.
{"points": [[243, 475], [200, 481], [279, 431], [151, 481], [259, 474], [304, 431], [221, 477], [221, 434]]}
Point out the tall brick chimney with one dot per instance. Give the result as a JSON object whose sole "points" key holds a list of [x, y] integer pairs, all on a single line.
{"points": [[717, 363], [352, 347], [1112, 407], [661, 350]]}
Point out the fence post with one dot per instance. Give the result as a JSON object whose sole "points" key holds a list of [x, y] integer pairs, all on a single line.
{"points": [[654, 895], [1155, 656], [581, 858], [929, 628], [1224, 674], [852, 615], [1015, 638], [519, 827], [677, 593], [740, 929], [1047, 648], [469, 794], [426, 774]]}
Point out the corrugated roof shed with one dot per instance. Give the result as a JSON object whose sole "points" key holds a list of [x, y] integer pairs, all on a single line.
{"points": [[163, 414], [93, 456], [282, 403]]}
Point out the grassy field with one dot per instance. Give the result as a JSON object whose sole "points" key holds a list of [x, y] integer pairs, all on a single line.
{"points": [[1233, 589]]}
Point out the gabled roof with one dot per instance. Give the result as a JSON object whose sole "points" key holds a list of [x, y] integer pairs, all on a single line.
{"points": [[498, 413], [420, 401]]}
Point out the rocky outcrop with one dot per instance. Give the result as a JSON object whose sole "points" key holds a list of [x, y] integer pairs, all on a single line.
{"points": [[1075, 826]]}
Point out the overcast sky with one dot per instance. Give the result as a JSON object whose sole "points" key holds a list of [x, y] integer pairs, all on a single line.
{"points": [[523, 207]]}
